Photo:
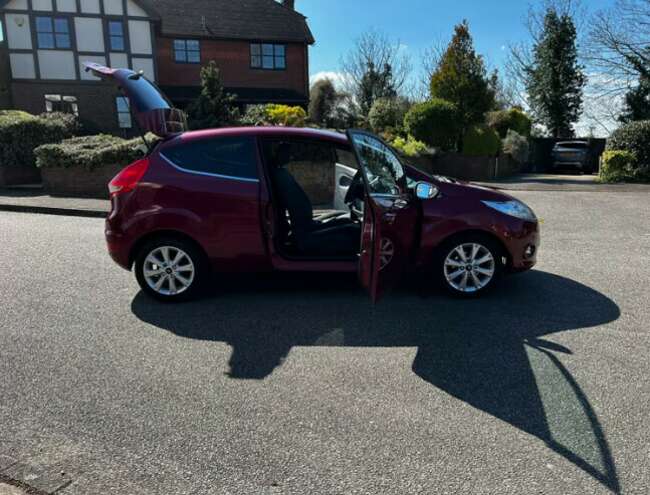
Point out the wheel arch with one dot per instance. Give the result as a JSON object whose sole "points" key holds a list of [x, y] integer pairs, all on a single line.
{"points": [[167, 233]]}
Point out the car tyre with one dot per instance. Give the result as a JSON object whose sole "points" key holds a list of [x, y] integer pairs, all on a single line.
{"points": [[469, 265], [171, 270]]}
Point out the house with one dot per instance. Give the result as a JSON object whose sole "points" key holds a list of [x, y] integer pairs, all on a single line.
{"points": [[261, 47]]}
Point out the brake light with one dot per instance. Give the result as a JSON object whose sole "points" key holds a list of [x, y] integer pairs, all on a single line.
{"points": [[128, 178]]}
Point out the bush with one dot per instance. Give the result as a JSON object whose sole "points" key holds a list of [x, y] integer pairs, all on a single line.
{"points": [[410, 146], [516, 146], [481, 141], [90, 152], [387, 113], [635, 138], [273, 114], [514, 119], [622, 166], [322, 101], [434, 122], [286, 115], [21, 132]]}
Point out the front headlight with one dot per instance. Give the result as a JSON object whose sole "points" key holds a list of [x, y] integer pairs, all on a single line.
{"points": [[513, 208]]}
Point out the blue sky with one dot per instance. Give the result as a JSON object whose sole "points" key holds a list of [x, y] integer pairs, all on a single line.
{"points": [[416, 24]]}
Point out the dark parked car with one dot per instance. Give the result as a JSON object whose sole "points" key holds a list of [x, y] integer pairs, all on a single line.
{"points": [[226, 200], [573, 155]]}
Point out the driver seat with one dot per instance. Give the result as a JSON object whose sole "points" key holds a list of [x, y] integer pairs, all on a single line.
{"points": [[324, 235]]}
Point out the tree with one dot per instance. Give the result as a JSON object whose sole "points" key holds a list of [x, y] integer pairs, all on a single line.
{"points": [[375, 84], [374, 68], [637, 102], [323, 99], [555, 80], [214, 107], [461, 78]]}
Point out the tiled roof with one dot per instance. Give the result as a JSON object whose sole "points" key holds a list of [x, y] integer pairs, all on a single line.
{"points": [[264, 20]]}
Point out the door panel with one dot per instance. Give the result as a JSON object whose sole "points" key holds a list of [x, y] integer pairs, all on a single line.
{"points": [[392, 213], [343, 177]]}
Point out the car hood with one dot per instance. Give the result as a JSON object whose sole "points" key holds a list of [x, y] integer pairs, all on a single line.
{"points": [[453, 187]]}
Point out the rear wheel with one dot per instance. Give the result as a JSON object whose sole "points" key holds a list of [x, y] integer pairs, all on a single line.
{"points": [[469, 265], [170, 269]]}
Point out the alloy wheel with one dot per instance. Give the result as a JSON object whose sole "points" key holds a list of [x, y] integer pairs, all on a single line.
{"points": [[168, 270], [469, 267]]}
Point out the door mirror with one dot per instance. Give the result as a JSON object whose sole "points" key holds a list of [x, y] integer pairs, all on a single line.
{"points": [[425, 190]]}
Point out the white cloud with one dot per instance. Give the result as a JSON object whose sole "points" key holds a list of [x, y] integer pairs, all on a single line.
{"points": [[339, 79]]}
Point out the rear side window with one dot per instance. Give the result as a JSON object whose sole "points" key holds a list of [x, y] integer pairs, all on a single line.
{"points": [[229, 156]]}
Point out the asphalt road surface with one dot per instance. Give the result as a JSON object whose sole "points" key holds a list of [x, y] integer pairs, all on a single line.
{"points": [[299, 385]]}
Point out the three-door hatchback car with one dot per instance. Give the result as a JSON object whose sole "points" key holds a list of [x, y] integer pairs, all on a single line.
{"points": [[260, 199]]}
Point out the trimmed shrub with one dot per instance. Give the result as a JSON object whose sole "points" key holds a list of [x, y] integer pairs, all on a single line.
{"points": [[273, 114], [516, 146], [21, 132], [635, 138], [434, 122], [410, 146], [90, 152], [286, 116], [514, 119], [622, 166], [481, 141], [387, 113]]}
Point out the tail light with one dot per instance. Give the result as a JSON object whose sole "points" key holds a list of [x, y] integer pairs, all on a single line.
{"points": [[128, 178]]}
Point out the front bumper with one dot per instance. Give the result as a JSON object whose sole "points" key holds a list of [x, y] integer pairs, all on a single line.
{"points": [[522, 244]]}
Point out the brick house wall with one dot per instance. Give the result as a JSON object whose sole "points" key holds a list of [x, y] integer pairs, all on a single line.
{"points": [[96, 102]]}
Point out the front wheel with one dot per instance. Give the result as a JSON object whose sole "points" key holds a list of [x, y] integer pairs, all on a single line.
{"points": [[170, 270], [469, 266]]}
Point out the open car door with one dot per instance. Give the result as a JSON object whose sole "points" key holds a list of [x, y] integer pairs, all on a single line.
{"points": [[152, 110], [390, 215]]}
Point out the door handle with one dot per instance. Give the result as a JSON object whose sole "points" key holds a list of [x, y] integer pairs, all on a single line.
{"points": [[400, 203]]}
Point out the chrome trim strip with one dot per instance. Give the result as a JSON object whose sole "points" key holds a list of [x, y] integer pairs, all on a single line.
{"points": [[208, 174]]}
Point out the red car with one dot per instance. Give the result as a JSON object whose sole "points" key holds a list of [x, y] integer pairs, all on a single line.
{"points": [[230, 200]]}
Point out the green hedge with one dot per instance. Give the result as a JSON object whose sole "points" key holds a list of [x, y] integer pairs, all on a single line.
{"points": [[635, 138], [622, 166], [410, 146], [434, 122], [481, 141], [21, 133], [90, 152], [513, 119]]}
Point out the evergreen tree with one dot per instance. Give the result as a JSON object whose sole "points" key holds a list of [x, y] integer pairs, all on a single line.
{"points": [[322, 101], [637, 102], [555, 80], [461, 78], [214, 107]]}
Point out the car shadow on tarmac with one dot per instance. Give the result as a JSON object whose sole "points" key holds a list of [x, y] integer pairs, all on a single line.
{"points": [[489, 352]]}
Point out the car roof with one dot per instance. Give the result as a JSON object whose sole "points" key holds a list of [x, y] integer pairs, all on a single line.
{"points": [[296, 132]]}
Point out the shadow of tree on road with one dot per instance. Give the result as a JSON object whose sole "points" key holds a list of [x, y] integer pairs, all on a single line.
{"points": [[489, 352]]}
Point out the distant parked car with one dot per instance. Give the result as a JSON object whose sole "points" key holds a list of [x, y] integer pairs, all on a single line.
{"points": [[572, 154], [225, 200]]}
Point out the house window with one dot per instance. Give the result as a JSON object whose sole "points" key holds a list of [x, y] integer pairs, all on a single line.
{"points": [[116, 35], [187, 51], [268, 56], [52, 32], [58, 103], [123, 112]]}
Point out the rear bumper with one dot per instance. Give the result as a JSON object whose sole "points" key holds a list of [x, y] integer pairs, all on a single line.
{"points": [[118, 246]]}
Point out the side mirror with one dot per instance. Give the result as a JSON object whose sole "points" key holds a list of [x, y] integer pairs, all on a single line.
{"points": [[425, 190]]}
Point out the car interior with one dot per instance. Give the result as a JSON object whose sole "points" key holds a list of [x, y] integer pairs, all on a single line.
{"points": [[331, 228]]}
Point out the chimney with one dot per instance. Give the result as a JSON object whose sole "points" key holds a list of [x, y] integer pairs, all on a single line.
{"points": [[290, 4]]}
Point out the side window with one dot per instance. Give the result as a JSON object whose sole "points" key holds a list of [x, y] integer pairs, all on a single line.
{"points": [[233, 157], [381, 166]]}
